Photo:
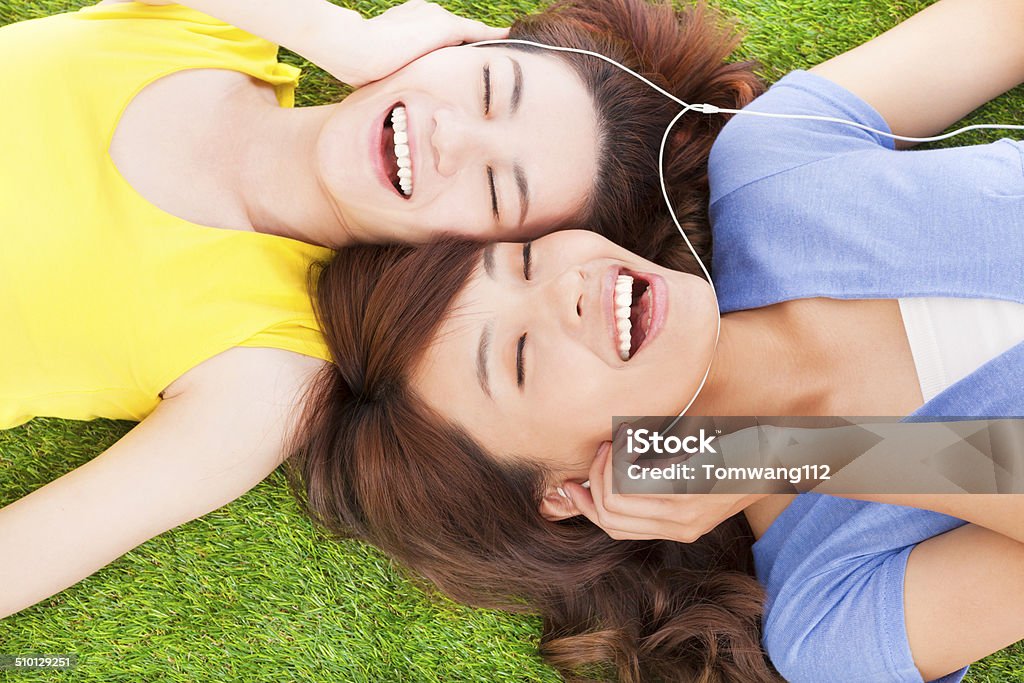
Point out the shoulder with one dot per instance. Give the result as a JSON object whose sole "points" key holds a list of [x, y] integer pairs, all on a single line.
{"points": [[851, 610], [151, 9], [137, 24], [240, 406], [760, 143], [833, 571], [251, 385]]}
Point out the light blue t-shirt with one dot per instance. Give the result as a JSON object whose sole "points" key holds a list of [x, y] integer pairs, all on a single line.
{"points": [[833, 573], [803, 209], [806, 208]]}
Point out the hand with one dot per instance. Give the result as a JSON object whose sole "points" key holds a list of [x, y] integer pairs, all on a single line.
{"points": [[674, 517], [365, 50]]}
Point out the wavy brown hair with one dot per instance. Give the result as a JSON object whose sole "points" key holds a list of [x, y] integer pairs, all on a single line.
{"points": [[683, 51], [376, 463]]}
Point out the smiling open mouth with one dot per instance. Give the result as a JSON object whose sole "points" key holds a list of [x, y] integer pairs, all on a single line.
{"points": [[395, 150], [633, 313]]}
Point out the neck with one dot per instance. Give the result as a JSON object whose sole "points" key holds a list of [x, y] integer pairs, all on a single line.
{"points": [[277, 177], [765, 364]]}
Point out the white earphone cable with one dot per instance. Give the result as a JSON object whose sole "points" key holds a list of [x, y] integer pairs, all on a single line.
{"points": [[675, 219], [712, 109]]}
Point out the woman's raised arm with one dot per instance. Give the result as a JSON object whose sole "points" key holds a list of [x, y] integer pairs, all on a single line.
{"points": [[685, 518], [939, 65], [958, 598], [352, 49], [218, 436], [963, 596]]}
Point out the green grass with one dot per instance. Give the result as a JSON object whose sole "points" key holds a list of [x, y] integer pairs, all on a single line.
{"points": [[252, 591]]}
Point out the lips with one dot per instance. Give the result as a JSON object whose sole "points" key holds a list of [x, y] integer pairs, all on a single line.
{"points": [[378, 151]]}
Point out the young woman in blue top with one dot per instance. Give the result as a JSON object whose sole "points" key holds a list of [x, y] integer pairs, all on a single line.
{"points": [[476, 409]]}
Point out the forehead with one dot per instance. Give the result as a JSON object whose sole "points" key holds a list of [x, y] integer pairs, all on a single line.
{"points": [[447, 376]]}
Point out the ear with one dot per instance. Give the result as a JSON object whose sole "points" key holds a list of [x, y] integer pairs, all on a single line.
{"points": [[555, 507]]}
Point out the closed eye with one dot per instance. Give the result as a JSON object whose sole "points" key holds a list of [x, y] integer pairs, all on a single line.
{"points": [[527, 262], [520, 370], [494, 194], [487, 89]]}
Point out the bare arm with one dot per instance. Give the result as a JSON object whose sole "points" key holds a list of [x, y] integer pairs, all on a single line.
{"points": [[963, 598], [1001, 513], [217, 437], [290, 23], [939, 65], [352, 49], [687, 517]]}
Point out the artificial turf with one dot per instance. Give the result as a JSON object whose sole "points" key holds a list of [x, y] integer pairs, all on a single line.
{"points": [[252, 591]]}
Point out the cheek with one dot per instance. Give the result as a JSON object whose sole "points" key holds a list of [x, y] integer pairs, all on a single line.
{"points": [[441, 74], [589, 395], [411, 76], [425, 221], [562, 420], [459, 209], [560, 440]]}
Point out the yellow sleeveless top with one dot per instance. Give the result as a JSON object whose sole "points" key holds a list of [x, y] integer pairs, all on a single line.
{"points": [[104, 298]]}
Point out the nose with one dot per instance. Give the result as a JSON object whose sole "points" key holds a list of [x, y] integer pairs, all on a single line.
{"points": [[456, 139], [553, 302], [563, 296], [560, 311]]}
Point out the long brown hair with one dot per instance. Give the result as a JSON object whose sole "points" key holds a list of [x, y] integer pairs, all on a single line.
{"points": [[376, 463], [683, 52]]}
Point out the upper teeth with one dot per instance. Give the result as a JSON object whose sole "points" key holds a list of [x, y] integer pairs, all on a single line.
{"points": [[402, 152], [623, 299]]}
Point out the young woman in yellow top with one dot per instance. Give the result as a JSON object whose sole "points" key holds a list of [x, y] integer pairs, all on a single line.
{"points": [[162, 204]]}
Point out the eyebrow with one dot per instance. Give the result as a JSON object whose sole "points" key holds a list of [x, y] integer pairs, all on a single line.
{"points": [[520, 373], [481, 359], [489, 260], [484, 347], [524, 192], [517, 84]]}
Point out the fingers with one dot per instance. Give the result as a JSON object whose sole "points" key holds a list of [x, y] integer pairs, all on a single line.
{"points": [[644, 507], [612, 521], [462, 30], [678, 517], [465, 30], [584, 502], [618, 526], [458, 29], [475, 31], [582, 499]]}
